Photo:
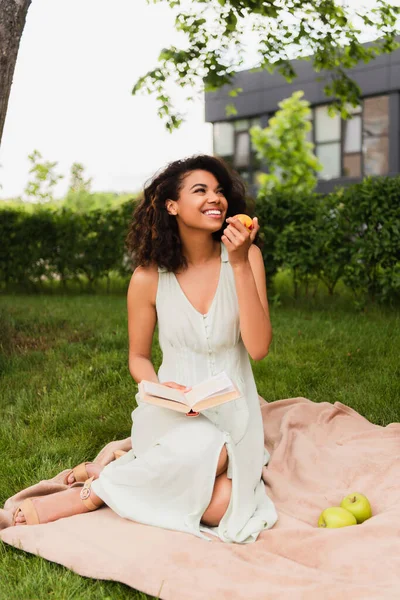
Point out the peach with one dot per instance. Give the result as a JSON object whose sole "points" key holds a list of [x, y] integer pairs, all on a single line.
{"points": [[246, 220]]}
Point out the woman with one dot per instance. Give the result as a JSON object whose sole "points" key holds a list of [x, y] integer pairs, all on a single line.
{"points": [[202, 279]]}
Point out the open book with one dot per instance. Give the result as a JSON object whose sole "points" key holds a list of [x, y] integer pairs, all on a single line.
{"points": [[212, 392]]}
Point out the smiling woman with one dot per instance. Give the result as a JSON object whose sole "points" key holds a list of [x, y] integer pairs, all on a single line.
{"points": [[155, 235], [204, 283]]}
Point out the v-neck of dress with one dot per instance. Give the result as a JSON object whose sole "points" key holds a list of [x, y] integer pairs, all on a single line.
{"points": [[216, 291]]}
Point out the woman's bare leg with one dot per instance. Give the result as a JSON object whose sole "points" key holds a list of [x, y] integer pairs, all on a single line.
{"points": [[64, 504], [219, 502], [221, 494], [223, 461], [92, 469], [58, 505]]}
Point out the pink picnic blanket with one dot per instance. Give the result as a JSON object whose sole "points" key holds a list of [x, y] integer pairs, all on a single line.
{"points": [[320, 452]]}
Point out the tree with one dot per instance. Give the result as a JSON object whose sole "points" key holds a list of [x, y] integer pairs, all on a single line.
{"points": [[41, 187], [217, 32], [77, 181], [12, 21], [283, 146], [78, 196]]}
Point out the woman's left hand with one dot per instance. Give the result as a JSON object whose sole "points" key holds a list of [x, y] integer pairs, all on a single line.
{"points": [[238, 239]]}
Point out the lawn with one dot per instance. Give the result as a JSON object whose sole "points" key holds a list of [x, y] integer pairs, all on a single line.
{"points": [[65, 391]]}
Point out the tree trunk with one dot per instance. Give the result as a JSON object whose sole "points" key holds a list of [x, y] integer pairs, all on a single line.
{"points": [[12, 21]]}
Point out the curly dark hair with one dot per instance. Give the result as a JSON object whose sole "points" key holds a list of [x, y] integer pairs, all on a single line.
{"points": [[153, 235]]}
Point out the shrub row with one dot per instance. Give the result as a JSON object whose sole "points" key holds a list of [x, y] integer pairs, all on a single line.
{"points": [[62, 244], [352, 234]]}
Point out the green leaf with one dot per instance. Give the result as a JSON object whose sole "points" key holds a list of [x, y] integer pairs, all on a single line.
{"points": [[230, 110], [325, 29]]}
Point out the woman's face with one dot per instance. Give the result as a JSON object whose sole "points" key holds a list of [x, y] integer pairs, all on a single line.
{"points": [[199, 192]]}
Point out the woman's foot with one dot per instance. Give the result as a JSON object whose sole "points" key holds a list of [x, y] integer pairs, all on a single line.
{"points": [[92, 469], [57, 506]]}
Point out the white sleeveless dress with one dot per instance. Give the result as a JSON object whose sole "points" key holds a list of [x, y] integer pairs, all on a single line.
{"points": [[167, 479]]}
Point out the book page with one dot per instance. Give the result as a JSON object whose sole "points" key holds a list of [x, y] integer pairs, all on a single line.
{"points": [[162, 391], [157, 393], [214, 386], [222, 399]]}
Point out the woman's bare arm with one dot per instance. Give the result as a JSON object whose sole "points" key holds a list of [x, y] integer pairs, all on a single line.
{"points": [[255, 324], [142, 319]]}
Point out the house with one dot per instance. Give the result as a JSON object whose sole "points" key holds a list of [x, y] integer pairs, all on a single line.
{"points": [[349, 150]]}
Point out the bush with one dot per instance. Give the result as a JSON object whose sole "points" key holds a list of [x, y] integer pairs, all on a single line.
{"points": [[351, 234], [62, 244], [373, 209]]}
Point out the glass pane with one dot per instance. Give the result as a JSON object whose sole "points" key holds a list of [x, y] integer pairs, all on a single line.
{"points": [[329, 155], [376, 153], [255, 122], [242, 150], [223, 139], [352, 134], [327, 128], [241, 125], [353, 110], [376, 116], [352, 165]]}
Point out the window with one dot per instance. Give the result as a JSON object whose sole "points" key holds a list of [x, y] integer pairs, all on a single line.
{"points": [[232, 142], [375, 135], [224, 140], [353, 147], [242, 150], [352, 143], [327, 142]]}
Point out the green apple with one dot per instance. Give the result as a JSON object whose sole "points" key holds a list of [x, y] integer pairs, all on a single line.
{"points": [[358, 505], [335, 516]]}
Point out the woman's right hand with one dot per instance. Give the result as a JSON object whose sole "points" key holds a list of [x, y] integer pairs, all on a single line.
{"points": [[177, 386]]}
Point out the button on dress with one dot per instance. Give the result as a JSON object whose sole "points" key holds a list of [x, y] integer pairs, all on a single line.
{"points": [[167, 479]]}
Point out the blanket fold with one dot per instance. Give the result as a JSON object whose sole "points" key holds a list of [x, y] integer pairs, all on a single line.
{"points": [[320, 452]]}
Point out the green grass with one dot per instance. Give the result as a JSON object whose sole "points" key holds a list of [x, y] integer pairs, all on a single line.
{"points": [[65, 391]]}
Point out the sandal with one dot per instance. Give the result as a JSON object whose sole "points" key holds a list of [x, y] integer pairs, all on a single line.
{"points": [[31, 515], [80, 472]]}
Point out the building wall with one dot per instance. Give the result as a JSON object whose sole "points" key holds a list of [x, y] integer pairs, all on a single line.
{"points": [[380, 78]]}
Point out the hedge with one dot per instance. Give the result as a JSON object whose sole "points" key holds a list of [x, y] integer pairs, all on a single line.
{"points": [[62, 244], [351, 234]]}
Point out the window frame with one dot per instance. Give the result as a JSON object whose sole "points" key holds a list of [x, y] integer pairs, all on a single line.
{"points": [[236, 135], [377, 136], [251, 167], [342, 153], [266, 116], [316, 144]]}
